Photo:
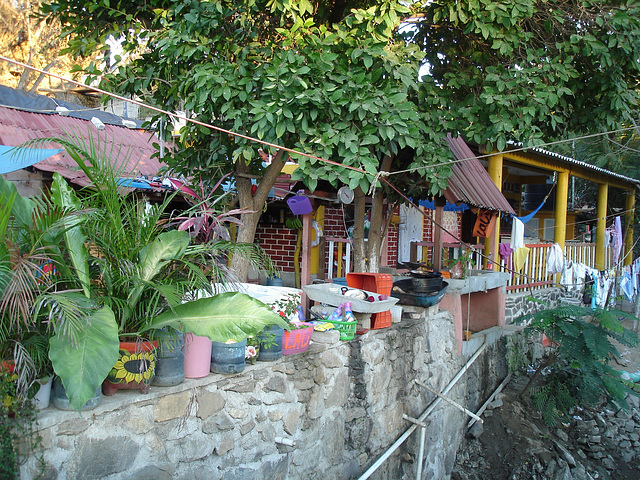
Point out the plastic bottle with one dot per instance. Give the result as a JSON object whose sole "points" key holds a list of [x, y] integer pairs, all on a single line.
{"points": [[348, 314], [336, 316]]}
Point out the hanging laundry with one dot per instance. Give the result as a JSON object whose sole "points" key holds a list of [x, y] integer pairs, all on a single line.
{"points": [[505, 251], [617, 239], [626, 285], [520, 257], [517, 234], [567, 279], [555, 259]]}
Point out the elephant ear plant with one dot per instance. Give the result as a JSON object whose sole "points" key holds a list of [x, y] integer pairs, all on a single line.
{"points": [[137, 276]]}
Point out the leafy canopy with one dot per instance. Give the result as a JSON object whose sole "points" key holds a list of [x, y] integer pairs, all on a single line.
{"points": [[338, 79], [530, 70]]}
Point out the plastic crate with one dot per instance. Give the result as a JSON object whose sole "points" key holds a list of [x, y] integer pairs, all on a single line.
{"points": [[381, 320], [374, 282]]}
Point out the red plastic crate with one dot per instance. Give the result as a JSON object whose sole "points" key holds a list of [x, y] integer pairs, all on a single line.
{"points": [[372, 282], [381, 320]]}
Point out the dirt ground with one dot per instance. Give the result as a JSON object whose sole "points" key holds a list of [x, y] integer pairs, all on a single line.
{"points": [[515, 444]]}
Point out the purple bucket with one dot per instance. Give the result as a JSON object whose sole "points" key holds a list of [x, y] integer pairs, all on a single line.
{"points": [[300, 205]]}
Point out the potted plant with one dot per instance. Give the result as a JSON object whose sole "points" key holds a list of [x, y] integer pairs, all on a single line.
{"points": [[459, 267], [297, 338], [138, 277]]}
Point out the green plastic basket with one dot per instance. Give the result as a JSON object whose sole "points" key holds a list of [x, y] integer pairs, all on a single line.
{"points": [[347, 329]]}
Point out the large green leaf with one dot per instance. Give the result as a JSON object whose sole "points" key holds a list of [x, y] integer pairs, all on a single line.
{"points": [[84, 365], [22, 207], [74, 236], [165, 247], [226, 316], [154, 257]]}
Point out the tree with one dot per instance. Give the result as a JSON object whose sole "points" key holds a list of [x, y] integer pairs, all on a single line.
{"points": [[341, 83], [532, 70], [346, 92]]}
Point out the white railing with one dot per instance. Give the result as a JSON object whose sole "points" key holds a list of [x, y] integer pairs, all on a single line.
{"points": [[533, 273]]}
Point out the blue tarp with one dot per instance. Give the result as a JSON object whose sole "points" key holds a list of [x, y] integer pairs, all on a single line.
{"points": [[16, 158], [133, 183]]}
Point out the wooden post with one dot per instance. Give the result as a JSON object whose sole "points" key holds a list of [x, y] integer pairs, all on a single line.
{"points": [[305, 276], [437, 234], [491, 243]]}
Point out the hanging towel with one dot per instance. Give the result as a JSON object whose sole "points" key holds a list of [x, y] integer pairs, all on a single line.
{"points": [[627, 285], [517, 234], [617, 240], [505, 251], [555, 259], [519, 258]]}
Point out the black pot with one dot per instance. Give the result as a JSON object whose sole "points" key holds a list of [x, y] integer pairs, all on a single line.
{"points": [[425, 281]]}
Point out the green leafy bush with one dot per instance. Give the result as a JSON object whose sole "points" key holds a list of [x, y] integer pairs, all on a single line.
{"points": [[577, 370]]}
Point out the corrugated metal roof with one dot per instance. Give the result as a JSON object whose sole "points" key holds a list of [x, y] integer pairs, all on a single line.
{"points": [[579, 163], [469, 181], [131, 149]]}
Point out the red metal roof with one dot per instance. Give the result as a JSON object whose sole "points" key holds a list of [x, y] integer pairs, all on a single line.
{"points": [[130, 149], [470, 183]]}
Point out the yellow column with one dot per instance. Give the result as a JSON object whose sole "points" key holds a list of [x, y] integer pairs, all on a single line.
{"points": [[601, 223], [315, 251], [628, 225], [562, 198], [491, 244]]}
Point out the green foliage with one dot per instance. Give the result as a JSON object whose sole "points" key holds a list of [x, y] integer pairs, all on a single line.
{"points": [[531, 70], [18, 437], [578, 371], [134, 270]]}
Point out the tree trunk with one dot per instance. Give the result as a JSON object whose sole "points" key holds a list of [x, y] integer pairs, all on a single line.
{"points": [[254, 203], [377, 224], [359, 251]]}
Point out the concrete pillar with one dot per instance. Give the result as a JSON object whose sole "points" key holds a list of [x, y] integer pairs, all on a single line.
{"points": [[562, 198], [491, 243], [601, 223]]}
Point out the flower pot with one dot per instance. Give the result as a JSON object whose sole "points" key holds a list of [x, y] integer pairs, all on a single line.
{"points": [[197, 356], [297, 341], [270, 343], [170, 362], [43, 395], [134, 369], [228, 358], [457, 270], [61, 401]]}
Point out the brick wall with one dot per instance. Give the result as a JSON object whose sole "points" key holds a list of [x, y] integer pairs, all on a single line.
{"points": [[279, 243]]}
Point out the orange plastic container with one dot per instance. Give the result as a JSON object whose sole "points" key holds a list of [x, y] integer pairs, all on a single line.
{"points": [[381, 283], [381, 320], [372, 282]]}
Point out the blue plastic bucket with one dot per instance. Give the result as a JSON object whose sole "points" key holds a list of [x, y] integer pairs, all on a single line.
{"points": [[228, 358]]}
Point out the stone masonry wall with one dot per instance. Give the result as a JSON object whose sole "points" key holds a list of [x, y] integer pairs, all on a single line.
{"points": [[340, 404]]}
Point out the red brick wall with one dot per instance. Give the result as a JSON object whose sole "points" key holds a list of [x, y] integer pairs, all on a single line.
{"points": [[279, 243]]}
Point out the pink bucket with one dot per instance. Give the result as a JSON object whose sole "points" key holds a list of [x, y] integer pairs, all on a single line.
{"points": [[197, 356]]}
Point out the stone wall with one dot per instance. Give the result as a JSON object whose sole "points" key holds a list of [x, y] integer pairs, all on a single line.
{"points": [[327, 413]]}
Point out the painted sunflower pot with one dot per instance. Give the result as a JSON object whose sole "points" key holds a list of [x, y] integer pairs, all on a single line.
{"points": [[134, 369]]}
